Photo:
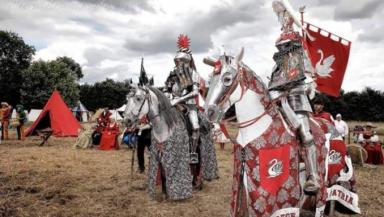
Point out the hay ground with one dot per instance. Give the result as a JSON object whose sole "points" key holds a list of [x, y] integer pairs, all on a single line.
{"points": [[58, 181]]}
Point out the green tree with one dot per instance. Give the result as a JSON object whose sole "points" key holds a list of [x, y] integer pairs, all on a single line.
{"points": [[108, 93], [42, 77], [15, 56], [73, 66]]}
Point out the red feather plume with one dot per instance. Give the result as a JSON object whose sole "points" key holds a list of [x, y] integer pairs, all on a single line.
{"points": [[183, 41]]}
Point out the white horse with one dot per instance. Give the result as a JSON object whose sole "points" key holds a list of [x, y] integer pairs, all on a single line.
{"points": [[266, 173], [170, 144]]}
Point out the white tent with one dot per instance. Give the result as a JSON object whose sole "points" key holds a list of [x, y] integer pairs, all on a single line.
{"points": [[34, 114], [84, 111], [14, 116], [116, 115]]}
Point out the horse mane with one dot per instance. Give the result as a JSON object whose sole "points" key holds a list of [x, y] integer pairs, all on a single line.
{"points": [[259, 86], [171, 115]]}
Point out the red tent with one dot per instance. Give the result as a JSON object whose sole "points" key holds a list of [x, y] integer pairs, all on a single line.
{"points": [[57, 116]]}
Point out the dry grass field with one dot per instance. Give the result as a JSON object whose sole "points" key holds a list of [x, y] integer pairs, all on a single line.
{"points": [[58, 181]]}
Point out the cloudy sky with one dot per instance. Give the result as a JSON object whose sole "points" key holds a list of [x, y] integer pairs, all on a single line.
{"points": [[108, 37]]}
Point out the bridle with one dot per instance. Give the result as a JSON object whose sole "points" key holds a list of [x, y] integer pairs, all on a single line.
{"points": [[147, 98], [239, 79]]}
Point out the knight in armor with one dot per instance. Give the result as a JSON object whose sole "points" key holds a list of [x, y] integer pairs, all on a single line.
{"points": [[183, 84], [292, 85]]}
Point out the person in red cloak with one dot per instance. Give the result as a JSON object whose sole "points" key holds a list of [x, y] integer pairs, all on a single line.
{"points": [[318, 105], [102, 121], [370, 141], [109, 137]]}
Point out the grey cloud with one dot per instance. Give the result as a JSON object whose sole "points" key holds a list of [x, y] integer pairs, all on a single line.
{"points": [[96, 26], [127, 5], [374, 35], [199, 27], [94, 56], [367, 9], [4, 14], [95, 74], [159, 41]]}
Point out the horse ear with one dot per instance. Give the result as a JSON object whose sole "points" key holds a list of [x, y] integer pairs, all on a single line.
{"points": [[239, 57]]}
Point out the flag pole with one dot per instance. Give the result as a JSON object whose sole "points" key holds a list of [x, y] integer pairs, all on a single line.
{"points": [[302, 8]]}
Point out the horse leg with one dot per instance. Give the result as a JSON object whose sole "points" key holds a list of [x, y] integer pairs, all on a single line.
{"points": [[196, 172], [163, 183], [332, 209]]}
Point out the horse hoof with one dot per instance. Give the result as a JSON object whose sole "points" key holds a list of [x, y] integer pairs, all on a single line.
{"points": [[198, 187]]}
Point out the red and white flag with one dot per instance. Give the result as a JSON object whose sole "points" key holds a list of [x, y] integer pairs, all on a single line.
{"points": [[329, 55]]}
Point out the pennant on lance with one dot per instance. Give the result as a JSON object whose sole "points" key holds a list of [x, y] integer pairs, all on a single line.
{"points": [[329, 55]]}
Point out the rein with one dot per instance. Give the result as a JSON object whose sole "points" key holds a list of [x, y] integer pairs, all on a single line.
{"points": [[244, 87], [146, 99]]}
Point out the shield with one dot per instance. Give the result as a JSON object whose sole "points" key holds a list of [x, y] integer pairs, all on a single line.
{"points": [[274, 168], [337, 152]]}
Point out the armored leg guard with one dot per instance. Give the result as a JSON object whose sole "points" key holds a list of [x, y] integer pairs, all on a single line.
{"points": [[311, 185], [194, 156]]}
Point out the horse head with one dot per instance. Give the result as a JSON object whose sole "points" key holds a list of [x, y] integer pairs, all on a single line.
{"points": [[138, 105], [224, 85]]}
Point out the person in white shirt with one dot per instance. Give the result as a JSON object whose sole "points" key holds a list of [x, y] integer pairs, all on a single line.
{"points": [[341, 126]]}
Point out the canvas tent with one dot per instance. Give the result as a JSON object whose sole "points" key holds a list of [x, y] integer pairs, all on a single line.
{"points": [[57, 116], [14, 116], [84, 113], [34, 114]]}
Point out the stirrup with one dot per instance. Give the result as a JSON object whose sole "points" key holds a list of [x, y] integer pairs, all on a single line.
{"points": [[193, 158]]}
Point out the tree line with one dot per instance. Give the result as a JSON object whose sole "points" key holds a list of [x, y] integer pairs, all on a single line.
{"points": [[32, 82], [365, 105]]}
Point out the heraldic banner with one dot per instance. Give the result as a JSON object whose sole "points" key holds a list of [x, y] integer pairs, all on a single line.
{"points": [[329, 55]]}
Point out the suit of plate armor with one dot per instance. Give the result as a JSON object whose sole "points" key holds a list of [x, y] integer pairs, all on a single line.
{"points": [[291, 82], [185, 88]]}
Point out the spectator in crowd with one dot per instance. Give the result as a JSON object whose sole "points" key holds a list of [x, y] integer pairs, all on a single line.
{"points": [[22, 119], [341, 126], [370, 141], [7, 113], [129, 137], [318, 105], [110, 134], [357, 130], [104, 118], [102, 121], [144, 140]]}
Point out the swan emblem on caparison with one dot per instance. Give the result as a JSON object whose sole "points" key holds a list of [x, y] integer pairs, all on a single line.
{"points": [[275, 168]]}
